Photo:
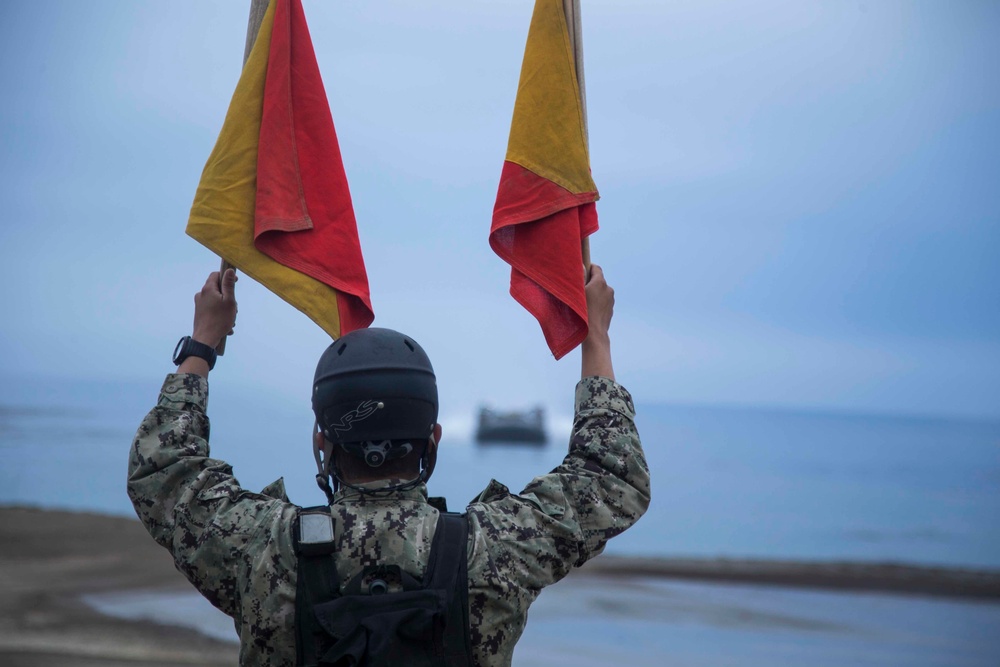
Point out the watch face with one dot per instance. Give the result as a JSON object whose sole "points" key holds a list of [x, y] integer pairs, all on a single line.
{"points": [[179, 349]]}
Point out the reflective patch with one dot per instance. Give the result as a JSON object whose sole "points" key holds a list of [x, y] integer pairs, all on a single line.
{"points": [[315, 528]]}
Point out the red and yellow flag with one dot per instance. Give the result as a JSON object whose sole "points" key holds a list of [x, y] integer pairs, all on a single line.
{"points": [[545, 203], [273, 199]]}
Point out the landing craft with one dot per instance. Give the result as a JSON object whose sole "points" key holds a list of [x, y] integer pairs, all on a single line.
{"points": [[517, 427]]}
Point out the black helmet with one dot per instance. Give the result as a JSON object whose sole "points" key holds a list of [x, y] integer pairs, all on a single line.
{"points": [[375, 385]]}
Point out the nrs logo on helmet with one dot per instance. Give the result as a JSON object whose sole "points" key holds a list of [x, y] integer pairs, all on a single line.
{"points": [[363, 411]]}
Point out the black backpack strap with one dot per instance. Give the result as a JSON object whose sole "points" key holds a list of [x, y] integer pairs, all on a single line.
{"points": [[317, 578], [448, 569]]}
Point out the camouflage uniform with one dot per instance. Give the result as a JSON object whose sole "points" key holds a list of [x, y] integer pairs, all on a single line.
{"points": [[235, 546]]}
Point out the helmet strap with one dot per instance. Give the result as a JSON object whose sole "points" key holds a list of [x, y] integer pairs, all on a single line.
{"points": [[323, 453], [421, 477], [326, 470]]}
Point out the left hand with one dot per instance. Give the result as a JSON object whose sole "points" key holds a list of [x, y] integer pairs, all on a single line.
{"points": [[215, 309]]}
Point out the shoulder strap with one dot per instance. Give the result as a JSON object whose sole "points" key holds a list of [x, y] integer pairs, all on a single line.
{"points": [[448, 569], [317, 578]]}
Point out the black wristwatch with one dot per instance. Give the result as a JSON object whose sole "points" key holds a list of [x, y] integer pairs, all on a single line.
{"points": [[189, 347]]}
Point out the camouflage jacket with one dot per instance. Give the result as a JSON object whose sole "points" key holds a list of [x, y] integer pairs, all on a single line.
{"points": [[236, 546]]}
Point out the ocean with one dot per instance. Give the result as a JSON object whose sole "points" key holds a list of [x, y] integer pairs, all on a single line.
{"points": [[726, 482], [777, 484]]}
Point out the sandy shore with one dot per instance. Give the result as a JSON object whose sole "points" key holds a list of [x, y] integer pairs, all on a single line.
{"points": [[48, 559], [837, 576]]}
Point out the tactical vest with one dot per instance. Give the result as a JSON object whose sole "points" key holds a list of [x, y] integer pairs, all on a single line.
{"points": [[426, 624]]}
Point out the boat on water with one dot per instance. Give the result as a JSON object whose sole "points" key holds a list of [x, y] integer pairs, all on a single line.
{"points": [[517, 427]]}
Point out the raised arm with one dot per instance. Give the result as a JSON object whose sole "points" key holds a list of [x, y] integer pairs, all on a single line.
{"points": [[190, 503], [562, 519]]}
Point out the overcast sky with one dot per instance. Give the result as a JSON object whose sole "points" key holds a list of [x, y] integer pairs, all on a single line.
{"points": [[799, 199]]}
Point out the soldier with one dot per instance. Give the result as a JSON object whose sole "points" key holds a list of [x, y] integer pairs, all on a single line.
{"points": [[375, 400]]}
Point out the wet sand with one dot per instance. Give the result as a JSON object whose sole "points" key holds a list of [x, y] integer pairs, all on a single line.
{"points": [[49, 559], [837, 576]]}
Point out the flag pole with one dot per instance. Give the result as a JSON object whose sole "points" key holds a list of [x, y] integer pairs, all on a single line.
{"points": [[572, 10], [257, 10]]}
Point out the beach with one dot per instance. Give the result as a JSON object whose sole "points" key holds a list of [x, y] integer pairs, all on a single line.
{"points": [[50, 560]]}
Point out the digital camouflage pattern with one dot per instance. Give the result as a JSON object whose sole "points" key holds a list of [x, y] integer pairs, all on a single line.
{"points": [[236, 547]]}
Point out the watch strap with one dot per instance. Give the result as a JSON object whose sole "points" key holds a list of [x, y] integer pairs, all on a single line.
{"points": [[189, 347]]}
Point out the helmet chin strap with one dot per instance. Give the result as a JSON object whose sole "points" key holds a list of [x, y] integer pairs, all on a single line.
{"points": [[326, 468], [323, 453]]}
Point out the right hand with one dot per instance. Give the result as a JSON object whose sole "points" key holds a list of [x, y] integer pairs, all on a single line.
{"points": [[600, 304], [596, 357]]}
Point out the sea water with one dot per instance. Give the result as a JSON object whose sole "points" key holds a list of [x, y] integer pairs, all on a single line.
{"points": [[726, 482]]}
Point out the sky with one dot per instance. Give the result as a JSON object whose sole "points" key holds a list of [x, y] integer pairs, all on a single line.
{"points": [[799, 198]]}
